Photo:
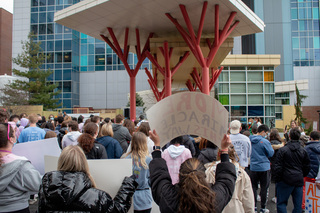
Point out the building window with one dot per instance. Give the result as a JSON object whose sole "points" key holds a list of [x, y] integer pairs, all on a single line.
{"points": [[255, 99], [224, 76], [238, 88], [255, 76], [238, 99], [255, 88], [237, 76], [268, 76], [224, 99], [238, 110], [67, 57], [255, 111]]}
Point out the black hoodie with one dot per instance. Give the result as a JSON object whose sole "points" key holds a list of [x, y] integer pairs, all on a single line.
{"points": [[292, 164]]}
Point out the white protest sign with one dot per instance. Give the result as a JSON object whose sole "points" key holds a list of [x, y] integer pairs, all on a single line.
{"points": [[36, 150], [108, 174], [189, 113], [312, 198]]}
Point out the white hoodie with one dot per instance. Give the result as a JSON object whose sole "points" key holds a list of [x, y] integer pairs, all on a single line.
{"points": [[70, 139]]}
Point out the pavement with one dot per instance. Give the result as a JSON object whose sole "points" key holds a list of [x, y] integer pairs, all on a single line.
{"points": [[270, 205]]}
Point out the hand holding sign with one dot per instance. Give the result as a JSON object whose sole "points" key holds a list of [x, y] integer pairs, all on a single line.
{"points": [[188, 113], [225, 142], [154, 137]]}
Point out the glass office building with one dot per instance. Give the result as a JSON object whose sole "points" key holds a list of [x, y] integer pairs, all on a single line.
{"points": [[305, 32], [71, 52], [63, 46], [248, 92]]}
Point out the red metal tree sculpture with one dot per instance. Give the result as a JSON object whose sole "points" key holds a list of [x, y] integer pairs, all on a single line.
{"points": [[193, 41], [123, 56], [166, 71]]}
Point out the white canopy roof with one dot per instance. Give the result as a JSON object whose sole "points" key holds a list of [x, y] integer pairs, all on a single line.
{"points": [[92, 17]]}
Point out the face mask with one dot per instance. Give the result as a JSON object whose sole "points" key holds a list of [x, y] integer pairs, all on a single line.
{"points": [[249, 123], [265, 136], [52, 119], [18, 122]]}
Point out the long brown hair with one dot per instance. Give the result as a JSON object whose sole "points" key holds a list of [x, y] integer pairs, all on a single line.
{"points": [[86, 140], [139, 149], [129, 125], [4, 137], [274, 135], [233, 156], [196, 196], [72, 159]]}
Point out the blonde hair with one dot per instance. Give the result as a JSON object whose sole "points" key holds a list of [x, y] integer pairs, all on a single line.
{"points": [[139, 149], [106, 130], [72, 159]]}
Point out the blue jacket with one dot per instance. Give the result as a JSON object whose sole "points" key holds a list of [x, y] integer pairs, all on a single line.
{"points": [[313, 149], [113, 148], [261, 152]]}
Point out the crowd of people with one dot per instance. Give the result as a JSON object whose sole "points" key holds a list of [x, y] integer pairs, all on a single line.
{"points": [[188, 174]]}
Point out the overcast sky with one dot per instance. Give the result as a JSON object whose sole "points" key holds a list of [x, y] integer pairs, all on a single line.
{"points": [[7, 4]]}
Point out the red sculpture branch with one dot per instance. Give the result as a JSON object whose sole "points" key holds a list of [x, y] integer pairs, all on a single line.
{"points": [[123, 56], [166, 71], [193, 40]]}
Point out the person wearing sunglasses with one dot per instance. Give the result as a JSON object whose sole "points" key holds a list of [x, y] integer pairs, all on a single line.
{"points": [[18, 177]]}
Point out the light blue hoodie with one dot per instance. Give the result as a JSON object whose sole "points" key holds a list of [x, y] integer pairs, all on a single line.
{"points": [[261, 152], [142, 198]]}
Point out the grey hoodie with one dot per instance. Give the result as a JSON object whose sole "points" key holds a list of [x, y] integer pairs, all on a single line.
{"points": [[122, 135], [18, 180], [70, 139]]}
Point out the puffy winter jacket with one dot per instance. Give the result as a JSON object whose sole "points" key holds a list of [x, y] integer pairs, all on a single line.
{"points": [[167, 196], [97, 152], [313, 150], [292, 164], [208, 155], [62, 191]]}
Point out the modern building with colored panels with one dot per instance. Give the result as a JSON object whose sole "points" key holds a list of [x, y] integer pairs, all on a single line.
{"points": [[292, 30], [5, 42], [246, 86]]}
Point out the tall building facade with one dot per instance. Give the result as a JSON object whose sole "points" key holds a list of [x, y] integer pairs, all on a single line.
{"points": [[292, 30], [5, 42], [75, 58]]}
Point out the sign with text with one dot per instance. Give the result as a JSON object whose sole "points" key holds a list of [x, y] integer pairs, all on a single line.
{"points": [[312, 200], [189, 113], [36, 150]]}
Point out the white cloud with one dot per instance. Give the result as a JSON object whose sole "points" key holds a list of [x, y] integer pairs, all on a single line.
{"points": [[7, 5]]}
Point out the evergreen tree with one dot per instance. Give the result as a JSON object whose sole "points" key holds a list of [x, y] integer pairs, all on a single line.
{"points": [[139, 101], [35, 89], [299, 117]]}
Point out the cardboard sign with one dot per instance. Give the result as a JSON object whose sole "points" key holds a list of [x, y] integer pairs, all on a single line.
{"points": [[188, 113], [36, 150], [312, 200], [106, 173]]}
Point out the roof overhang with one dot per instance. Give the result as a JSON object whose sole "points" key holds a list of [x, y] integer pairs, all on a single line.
{"points": [[92, 17]]}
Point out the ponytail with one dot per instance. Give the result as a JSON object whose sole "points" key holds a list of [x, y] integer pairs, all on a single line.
{"points": [[195, 194]]}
